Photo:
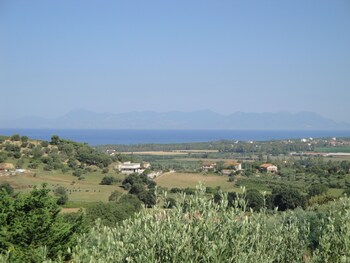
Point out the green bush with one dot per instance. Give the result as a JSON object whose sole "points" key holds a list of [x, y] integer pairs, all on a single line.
{"points": [[108, 180], [32, 228], [114, 212], [206, 232]]}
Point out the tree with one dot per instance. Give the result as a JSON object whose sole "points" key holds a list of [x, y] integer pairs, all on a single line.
{"points": [[3, 157], [15, 137], [255, 199], [7, 188], [107, 180], [114, 212], [37, 152], [24, 138], [44, 143], [136, 189], [62, 195], [55, 140], [148, 198], [115, 196], [287, 198], [78, 172], [317, 189], [31, 221]]}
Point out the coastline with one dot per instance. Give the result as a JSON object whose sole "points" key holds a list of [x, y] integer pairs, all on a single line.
{"points": [[95, 137]]}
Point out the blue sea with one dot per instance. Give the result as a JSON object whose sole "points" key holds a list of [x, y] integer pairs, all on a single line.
{"points": [[102, 137]]}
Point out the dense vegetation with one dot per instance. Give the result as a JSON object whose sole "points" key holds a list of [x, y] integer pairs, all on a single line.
{"points": [[31, 227], [222, 146], [199, 230], [58, 154], [294, 215], [267, 147]]}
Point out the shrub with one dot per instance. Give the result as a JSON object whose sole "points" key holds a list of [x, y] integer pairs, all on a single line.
{"points": [[32, 228], [115, 196], [107, 180], [15, 137], [255, 199], [44, 143], [206, 232], [113, 212], [61, 194], [6, 187], [287, 198]]}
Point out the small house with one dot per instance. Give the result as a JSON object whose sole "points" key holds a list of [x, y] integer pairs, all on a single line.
{"points": [[129, 167], [208, 166], [269, 168], [146, 165], [232, 165]]}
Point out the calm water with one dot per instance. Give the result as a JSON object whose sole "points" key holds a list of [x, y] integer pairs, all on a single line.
{"points": [[100, 137]]}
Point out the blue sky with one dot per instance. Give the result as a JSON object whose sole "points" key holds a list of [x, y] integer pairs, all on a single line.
{"points": [[226, 56]]}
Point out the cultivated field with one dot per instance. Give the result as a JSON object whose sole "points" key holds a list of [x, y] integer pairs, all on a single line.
{"points": [[183, 180], [175, 152]]}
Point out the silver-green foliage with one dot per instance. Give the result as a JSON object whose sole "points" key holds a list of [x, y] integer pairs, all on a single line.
{"points": [[197, 230], [334, 244]]}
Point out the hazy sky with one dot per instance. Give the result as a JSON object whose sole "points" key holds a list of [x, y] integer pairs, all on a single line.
{"points": [[226, 56]]}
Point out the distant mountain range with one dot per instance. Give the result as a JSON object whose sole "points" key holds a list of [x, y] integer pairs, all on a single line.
{"points": [[204, 119]]}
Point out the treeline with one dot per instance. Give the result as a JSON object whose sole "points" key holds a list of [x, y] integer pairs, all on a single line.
{"points": [[274, 147], [271, 147]]}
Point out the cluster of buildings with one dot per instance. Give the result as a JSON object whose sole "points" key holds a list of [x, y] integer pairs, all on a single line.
{"points": [[229, 167]]}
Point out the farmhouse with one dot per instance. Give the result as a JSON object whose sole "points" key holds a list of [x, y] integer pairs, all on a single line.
{"points": [[268, 167], [208, 166], [129, 168], [231, 165]]}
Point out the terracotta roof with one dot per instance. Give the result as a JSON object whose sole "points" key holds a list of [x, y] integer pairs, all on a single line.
{"points": [[265, 165], [207, 163], [231, 163]]}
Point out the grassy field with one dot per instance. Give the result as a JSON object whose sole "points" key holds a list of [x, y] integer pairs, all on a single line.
{"points": [[338, 149], [183, 180], [171, 153], [87, 190]]}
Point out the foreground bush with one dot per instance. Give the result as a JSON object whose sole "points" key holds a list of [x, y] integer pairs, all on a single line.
{"points": [[197, 230], [31, 228], [200, 230]]}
